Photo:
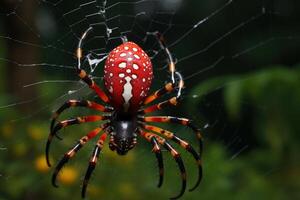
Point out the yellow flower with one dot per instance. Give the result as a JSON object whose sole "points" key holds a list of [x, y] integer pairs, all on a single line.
{"points": [[68, 175], [7, 130], [35, 132], [40, 164]]}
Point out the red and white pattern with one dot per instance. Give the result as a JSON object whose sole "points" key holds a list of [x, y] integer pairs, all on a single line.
{"points": [[128, 76]]}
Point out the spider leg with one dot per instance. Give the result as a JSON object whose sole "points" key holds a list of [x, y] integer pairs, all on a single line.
{"points": [[174, 154], [71, 153], [169, 87], [91, 83], [82, 73], [172, 101], [78, 103], [157, 150], [93, 162], [158, 154], [171, 63], [69, 122], [176, 120], [183, 144]]}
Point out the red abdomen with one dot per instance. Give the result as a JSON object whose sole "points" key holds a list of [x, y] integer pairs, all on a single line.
{"points": [[128, 76]]}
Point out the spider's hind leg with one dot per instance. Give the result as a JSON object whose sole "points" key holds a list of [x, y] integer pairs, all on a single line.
{"points": [[84, 76], [167, 88], [172, 101], [162, 43]]}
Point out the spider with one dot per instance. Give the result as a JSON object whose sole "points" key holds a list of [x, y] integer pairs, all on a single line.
{"points": [[127, 77]]}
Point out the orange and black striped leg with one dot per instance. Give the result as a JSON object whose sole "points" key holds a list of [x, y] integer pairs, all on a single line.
{"points": [[163, 45], [183, 144], [169, 87], [176, 120], [91, 83], [78, 103], [82, 73], [71, 153], [157, 150], [93, 162], [69, 122], [171, 63], [174, 154], [172, 101]]}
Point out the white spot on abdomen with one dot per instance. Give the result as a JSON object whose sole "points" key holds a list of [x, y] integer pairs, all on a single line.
{"points": [[122, 65], [111, 89], [127, 92], [121, 75], [135, 66], [134, 76]]}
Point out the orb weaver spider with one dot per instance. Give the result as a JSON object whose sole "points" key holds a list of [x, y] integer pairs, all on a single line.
{"points": [[127, 77]]}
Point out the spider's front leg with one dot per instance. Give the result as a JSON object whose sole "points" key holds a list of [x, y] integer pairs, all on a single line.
{"points": [[169, 87], [148, 136], [72, 152], [93, 162], [69, 122], [176, 120], [183, 144], [157, 150]]}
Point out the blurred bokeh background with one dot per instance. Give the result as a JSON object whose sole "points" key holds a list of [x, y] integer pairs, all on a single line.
{"points": [[242, 71]]}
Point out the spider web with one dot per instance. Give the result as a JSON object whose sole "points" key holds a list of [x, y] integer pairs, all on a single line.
{"points": [[202, 50]]}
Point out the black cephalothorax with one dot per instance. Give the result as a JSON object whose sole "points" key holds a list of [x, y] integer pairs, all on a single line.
{"points": [[123, 132]]}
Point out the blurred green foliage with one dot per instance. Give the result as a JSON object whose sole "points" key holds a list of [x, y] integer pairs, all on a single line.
{"points": [[273, 94]]}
